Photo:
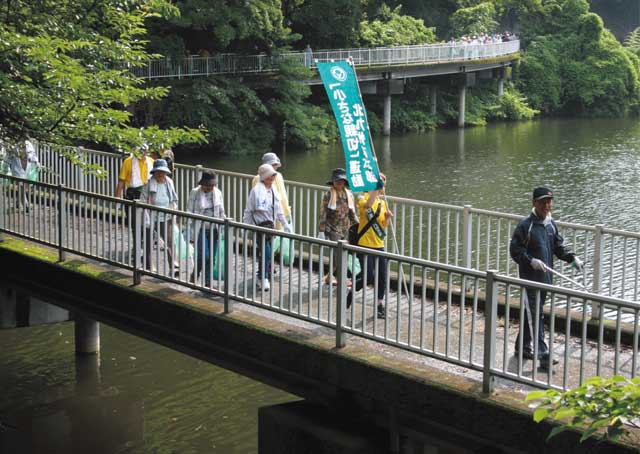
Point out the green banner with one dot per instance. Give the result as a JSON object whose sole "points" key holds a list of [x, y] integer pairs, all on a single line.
{"points": [[341, 84]]}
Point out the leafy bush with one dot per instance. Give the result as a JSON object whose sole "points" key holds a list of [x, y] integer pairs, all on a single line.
{"points": [[513, 106], [598, 404]]}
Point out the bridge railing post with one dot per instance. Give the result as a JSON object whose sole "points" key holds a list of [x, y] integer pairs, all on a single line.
{"points": [[467, 237], [491, 310], [341, 292], [597, 268], [228, 282], [136, 220], [62, 222]]}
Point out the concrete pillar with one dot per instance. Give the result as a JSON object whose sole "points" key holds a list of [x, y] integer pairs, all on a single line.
{"points": [[304, 427], [462, 104], [386, 150], [87, 334], [500, 88], [386, 125], [7, 308], [433, 95]]}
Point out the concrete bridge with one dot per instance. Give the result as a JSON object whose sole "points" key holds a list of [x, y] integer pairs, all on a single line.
{"points": [[439, 356], [381, 71]]}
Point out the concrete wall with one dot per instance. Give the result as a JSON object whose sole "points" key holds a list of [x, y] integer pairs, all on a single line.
{"points": [[362, 377]]}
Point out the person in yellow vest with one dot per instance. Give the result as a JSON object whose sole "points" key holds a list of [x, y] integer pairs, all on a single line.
{"points": [[278, 184], [373, 215], [134, 174]]}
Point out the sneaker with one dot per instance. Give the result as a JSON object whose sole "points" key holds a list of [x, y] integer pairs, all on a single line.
{"points": [[264, 284], [543, 357], [382, 313]]}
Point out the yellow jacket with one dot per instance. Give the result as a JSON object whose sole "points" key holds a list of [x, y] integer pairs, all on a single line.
{"points": [[371, 238]]}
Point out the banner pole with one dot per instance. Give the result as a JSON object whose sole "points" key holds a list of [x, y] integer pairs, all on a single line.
{"points": [[384, 191]]}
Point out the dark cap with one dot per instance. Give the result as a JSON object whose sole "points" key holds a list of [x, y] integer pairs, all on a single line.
{"points": [[542, 193], [208, 178], [338, 174]]}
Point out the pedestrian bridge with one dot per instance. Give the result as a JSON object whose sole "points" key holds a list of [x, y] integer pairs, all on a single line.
{"points": [[445, 311], [380, 71], [371, 63]]}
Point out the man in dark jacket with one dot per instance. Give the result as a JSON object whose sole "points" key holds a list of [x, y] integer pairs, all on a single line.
{"points": [[534, 243]]}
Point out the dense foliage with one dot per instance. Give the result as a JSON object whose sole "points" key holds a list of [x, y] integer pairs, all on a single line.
{"points": [[599, 405], [390, 28], [575, 66], [64, 72]]}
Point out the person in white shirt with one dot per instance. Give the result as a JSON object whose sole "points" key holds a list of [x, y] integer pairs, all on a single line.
{"points": [[264, 208], [159, 191]]}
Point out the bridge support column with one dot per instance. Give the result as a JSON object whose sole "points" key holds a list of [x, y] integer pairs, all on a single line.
{"points": [[305, 427], [500, 88], [462, 104], [87, 335], [386, 124], [433, 95]]}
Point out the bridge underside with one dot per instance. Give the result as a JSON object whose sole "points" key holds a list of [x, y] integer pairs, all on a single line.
{"points": [[410, 71]]}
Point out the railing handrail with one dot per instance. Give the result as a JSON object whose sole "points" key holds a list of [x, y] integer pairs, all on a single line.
{"points": [[61, 203], [416, 202], [236, 63]]}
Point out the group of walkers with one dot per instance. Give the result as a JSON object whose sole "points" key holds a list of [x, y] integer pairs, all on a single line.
{"points": [[267, 206], [362, 219]]}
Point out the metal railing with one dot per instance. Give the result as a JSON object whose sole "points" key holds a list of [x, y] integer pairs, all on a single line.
{"points": [[440, 311], [460, 236], [363, 57]]}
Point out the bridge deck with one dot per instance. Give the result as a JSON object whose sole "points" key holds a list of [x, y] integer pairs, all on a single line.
{"points": [[438, 327]]}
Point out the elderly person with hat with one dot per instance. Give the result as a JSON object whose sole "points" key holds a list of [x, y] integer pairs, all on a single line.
{"points": [[206, 200], [535, 241], [264, 208], [273, 160], [159, 191], [338, 210]]}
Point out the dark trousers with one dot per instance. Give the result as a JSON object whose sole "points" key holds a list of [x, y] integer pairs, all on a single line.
{"points": [[528, 330], [131, 194], [371, 272], [164, 231], [205, 254], [266, 239]]}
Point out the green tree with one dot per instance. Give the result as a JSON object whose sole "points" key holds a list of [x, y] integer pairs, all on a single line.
{"points": [[632, 41], [578, 67], [222, 26], [65, 72], [474, 20], [327, 24], [391, 28], [598, 405]]}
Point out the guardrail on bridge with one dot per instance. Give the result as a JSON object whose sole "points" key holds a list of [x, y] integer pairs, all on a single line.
{"points": [[436, 310], [227, 64]]}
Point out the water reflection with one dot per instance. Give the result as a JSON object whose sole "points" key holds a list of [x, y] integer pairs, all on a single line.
{"points": [[136, 397], [593, 165]]}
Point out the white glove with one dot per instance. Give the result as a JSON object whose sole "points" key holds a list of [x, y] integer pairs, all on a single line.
{"points": [[577, 264], [538, 265], [321, 236], [287, 228]]}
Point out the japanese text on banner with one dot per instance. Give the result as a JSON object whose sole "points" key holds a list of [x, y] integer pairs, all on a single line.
{"points": [[341, 85]]}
